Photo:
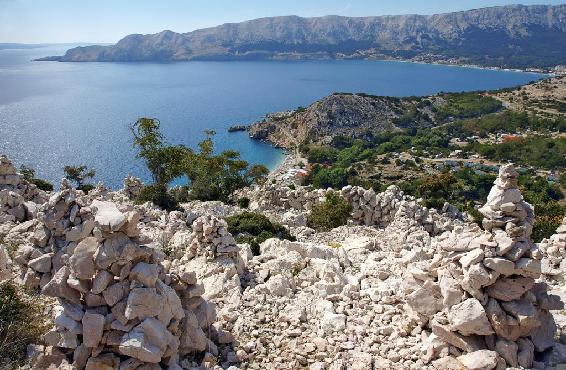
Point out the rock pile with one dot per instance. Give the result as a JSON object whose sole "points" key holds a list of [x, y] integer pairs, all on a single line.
{"points": [[211, 252], [118, 304], [132, 187], [480, 294], [381, 209], [554, 248], [211, 238], [18, 199]]}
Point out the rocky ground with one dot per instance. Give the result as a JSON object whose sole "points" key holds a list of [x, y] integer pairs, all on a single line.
{"points": [[399, 287]]}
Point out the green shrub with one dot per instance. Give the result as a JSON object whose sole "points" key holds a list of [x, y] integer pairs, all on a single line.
{"points": [[158, 195], [331, 213], [467, 105], [254, 228], [42, 184], [29, 176], [86, 188], [180, 194], [78, 175], [243, 202], [21, 323]]}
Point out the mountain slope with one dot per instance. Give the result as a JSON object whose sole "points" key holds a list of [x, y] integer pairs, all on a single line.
{"points": [[511, 35], [338, 114]]}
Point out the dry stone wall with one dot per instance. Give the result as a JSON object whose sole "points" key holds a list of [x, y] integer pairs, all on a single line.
{"points": [[368, 207]]}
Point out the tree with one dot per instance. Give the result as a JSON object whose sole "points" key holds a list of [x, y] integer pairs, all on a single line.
{"points": [[79, 174], [258, 173], [165, 162], [210, 176], [215, 177]]}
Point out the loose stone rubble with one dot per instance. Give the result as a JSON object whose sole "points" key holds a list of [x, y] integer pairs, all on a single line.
{"points": [[401, 287], [210, 251]]}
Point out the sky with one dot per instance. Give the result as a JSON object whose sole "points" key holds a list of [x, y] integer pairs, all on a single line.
{"points": [[107, 21]]}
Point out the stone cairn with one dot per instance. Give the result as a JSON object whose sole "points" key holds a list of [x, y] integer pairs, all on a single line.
{"points": [[132, 187], [554, 248], [118, 305], [210, 237], [485, 301], [17, 198]]}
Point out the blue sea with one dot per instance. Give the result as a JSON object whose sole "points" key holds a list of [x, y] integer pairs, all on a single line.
{"points": [[55, 114]]}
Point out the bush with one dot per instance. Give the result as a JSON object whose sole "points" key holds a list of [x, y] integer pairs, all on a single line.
{"points": [[158, 195], [21, 323], [86, 188], [254, 228], [29, 176], [180, 194], [243, 202], [42, 184], [331, 213]]}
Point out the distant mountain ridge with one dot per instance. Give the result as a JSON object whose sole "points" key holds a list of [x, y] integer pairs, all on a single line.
{"points": [[510, 36]]}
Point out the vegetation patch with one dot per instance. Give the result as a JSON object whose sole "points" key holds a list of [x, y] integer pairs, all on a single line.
{"points": [[209, 176], [466, 105], [255, 228], [29, 175], [158, 195], [535, 151], [331, 213], [21, 323]]}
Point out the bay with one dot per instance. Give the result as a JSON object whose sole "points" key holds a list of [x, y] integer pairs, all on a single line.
{"points": [[55, 114]]}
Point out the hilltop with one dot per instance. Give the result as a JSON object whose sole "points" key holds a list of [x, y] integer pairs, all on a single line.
{"points": [[529, 34], [363, 116]]}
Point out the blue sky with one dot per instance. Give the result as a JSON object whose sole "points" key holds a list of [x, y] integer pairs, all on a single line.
{"points": [[37, 21]]}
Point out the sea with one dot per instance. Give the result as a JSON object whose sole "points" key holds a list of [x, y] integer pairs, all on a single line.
{"points": [[54, 114]]}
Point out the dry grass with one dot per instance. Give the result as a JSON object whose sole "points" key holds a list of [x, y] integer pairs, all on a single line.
{"points": [[21, 324]]}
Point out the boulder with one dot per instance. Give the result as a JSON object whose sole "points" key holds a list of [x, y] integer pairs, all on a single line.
{"points": [[82, 260], [508, 289], [93, 325], [479, 360], [469, 318], [107, 216]]}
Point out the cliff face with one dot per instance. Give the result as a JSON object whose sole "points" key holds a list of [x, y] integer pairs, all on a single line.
{"points": [[522, 34], [343, 114]]}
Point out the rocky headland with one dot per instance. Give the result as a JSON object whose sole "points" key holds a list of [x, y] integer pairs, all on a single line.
{"points": [[400, 286]]}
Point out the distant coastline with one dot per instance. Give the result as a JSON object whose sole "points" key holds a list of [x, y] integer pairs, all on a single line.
{"points": [[509, 37]]}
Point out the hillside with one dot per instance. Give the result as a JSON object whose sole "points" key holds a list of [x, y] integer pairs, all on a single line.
{"points": [[364, 116], [545, 98], [530, 35]]}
